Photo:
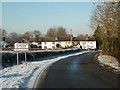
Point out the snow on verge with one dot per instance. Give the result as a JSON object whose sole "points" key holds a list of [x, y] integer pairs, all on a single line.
{"points": [[109, 61], [24, 76]]}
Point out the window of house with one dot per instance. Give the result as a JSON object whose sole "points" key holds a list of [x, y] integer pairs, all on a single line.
{"points": [[45, 43], [53, 46], [84, 42], [59, 42], [53, 42], [45, 47]]}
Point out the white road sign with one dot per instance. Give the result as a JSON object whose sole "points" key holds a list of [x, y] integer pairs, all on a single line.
{"points": [[21, 47]]}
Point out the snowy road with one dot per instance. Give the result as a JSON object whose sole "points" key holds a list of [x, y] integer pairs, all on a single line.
{"points": [[78, 71]]}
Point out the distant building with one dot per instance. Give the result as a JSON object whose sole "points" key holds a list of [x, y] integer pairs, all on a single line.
{"points": [[3, 44], [88, 44], [67, 42], [48, 45], [56, 44], [35, 44], [25, 41], [86, 37]]}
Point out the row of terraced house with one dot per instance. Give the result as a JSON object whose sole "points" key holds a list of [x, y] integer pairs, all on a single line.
{"points": [[59, 43]]}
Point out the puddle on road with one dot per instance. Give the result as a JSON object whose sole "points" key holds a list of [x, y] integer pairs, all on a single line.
{"points": [[74, 66], [75, 70]]}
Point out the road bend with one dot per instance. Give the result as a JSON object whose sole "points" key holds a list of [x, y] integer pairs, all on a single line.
{"points": [[78, 71]]}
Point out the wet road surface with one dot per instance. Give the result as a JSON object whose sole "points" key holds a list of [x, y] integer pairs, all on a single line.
{"points": [[78, 71]]}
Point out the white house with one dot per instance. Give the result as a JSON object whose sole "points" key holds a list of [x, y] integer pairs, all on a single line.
{"points": [[35, 44], [65, 44], [56, 44], [48, 45], [88, 44]]}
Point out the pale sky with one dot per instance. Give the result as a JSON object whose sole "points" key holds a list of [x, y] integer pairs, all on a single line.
{"points": [[27, 16], [48, 0]]}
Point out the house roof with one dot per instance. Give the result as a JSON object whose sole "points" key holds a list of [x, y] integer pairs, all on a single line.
{"points": [[25, 41], [64, 39], [34, 43], [68, 40], [87, 40], [3, 42]]}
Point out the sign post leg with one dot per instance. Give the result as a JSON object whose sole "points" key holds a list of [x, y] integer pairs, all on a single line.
{"points": [[17, 59], [25, 58], [0, 62]]}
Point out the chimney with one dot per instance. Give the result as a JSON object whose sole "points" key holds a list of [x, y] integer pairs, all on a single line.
{"points": [[56, 38], [86, 36], [3, 38]]}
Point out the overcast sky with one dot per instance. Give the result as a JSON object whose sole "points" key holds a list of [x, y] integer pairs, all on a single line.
{"points": [[27, 16]]}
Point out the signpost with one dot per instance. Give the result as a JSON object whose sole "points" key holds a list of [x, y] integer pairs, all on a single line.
{"points": [[23, 47], [17, 59], [25, 58]]}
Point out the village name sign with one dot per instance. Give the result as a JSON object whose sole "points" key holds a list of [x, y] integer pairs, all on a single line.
{"points": [[21, 47]]}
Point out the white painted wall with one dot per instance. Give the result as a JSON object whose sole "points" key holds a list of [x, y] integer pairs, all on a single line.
{"points": [[88, 44], [66, 44], [50, 45]]}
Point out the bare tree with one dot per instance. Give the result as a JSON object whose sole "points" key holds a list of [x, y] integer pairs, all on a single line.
{"points": [[81, 37], [13, 37], [36, 35], [51, 32], [61, 32], [26, 35], [105, 23]]}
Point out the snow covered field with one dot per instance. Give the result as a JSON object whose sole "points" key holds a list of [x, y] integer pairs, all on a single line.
{"points": [[110, 62], [24, 76]]}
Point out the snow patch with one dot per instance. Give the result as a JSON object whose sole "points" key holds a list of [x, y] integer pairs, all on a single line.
{"points": [[110, 61]]}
